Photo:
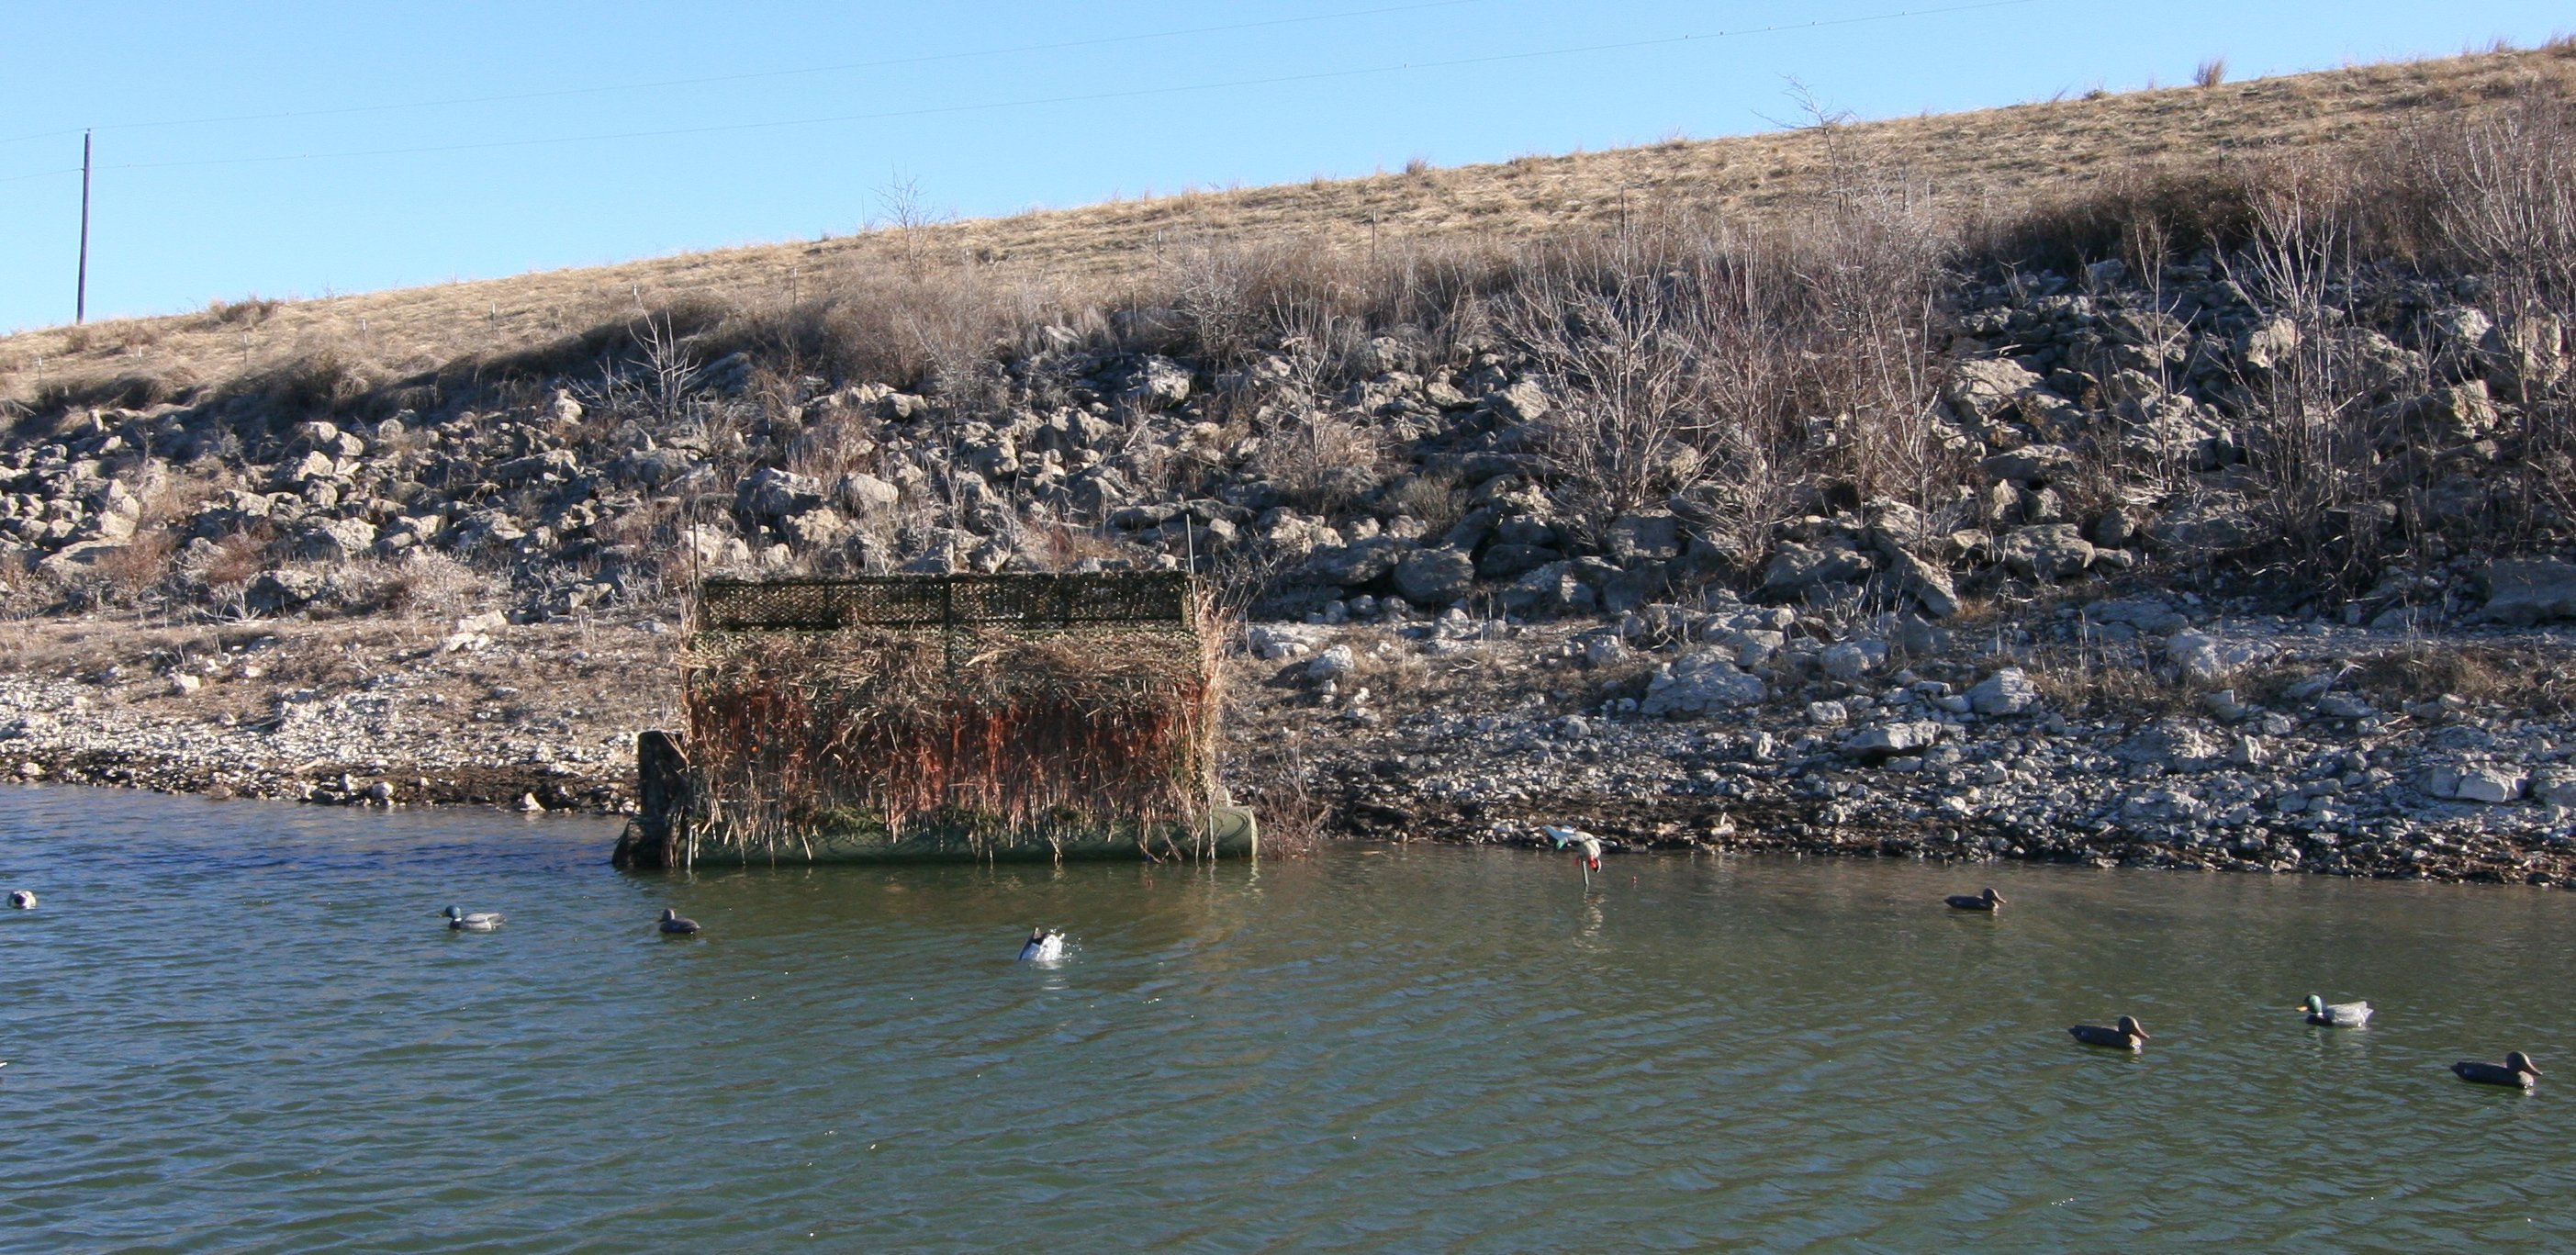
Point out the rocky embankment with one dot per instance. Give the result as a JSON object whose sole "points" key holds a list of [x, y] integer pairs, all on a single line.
{"points": [[2253, 743]]}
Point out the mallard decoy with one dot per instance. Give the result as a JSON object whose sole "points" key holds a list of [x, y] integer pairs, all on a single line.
{"points": [[2126, 1036], [676, 924], [1042, 946], [1986, 901], [472, 921], [2516, 1071], [2337, 1014], [22, 899]]}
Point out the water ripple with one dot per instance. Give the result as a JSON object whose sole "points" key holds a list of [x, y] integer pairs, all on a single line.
{"points": [[240, 1027]]}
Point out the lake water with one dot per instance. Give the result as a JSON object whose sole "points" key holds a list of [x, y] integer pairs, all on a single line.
{"points": [[242, 1027]]}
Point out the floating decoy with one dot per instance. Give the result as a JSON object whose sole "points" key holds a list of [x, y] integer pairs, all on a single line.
{"points": [[1042, 947], [22, 899], [2126, 1036], [472, 921], [1986, 901], [676, 924], [2337, 1014], [2516, 1071]]}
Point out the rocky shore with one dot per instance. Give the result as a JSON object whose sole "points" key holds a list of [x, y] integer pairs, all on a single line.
{"points": [[2243, 743]]}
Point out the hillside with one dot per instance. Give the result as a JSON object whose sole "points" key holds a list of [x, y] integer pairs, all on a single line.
{"points": [[2185, 478], [1993, 161]]}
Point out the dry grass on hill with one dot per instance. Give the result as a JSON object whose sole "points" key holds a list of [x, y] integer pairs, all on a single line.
{"points": [[1992, 163]]}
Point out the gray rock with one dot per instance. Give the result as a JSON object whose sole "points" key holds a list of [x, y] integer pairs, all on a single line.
{"points": [[815, 528], [2490, 785], [1503, 561], [2206, 659], [2146, 614], [2344, 706], [1551, 589], [1333, 663], [2006, 692], [2047, 551], [1852, 659], [1928, 584], [1157, 383], [1797, 568], [770, 493], [867, 493], [1909, 737], [2030, 464], [2205, 525], [551, 466], [2267, 345], [1698, 681], [279, 591], [1639, 538], [652, 468], [1357, 564], [2524, 593], [335, 540], [1435, 577], [1521, 402], [1981, 389]]}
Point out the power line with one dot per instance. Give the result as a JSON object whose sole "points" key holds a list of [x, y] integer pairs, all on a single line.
{"points": [[925, 59], [1090, 97]]}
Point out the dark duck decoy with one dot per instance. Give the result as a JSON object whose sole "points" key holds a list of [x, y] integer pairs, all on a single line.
{"points": [[1042, 947], [1986, 901], [676, 924], [2124, 1036], [2516, 1071]]}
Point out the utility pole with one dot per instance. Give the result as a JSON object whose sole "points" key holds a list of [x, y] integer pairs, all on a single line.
{"points": [[80, 296]]}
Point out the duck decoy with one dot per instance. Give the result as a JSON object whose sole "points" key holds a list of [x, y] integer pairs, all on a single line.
{"points": [[676, 924], [2516, 1071], [472, 921], [1042, 946], [2125, 1036], [1986, 901], [2337, 1014], [1589, 844], [22, 899]]}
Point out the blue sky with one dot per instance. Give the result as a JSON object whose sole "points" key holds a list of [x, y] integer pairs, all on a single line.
{"points": [[302, 149]]}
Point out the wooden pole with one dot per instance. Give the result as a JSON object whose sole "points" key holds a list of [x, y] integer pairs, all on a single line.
{"points": [[80, 295]]}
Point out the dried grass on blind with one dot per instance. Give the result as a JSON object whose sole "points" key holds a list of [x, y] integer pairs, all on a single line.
{"points": [[793, 733]]}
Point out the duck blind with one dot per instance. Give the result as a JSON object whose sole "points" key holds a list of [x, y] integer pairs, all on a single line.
{"points": [[1132, 601], [993, 702]]}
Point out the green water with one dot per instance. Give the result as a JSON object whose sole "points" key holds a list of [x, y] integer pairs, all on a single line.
{"points": [[241, 1027]]}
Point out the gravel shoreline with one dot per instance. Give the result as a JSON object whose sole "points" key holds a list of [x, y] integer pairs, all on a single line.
{"points": [[1721, 727]]}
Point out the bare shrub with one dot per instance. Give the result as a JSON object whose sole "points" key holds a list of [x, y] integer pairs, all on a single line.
{"points": [[1318, 457], [2306, 442], [325, 380], [1284, 791], [1625, 339], [250, 311], [1437, 499], [2210, 73], [427, 584]]}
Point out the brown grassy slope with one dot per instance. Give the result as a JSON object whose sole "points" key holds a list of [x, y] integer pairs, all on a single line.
{"points": [[1991, 159]]}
